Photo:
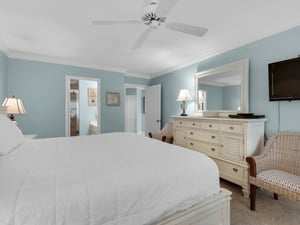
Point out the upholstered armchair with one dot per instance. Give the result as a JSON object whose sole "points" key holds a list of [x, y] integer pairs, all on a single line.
{"points": [[277, 168], [165, 135]]}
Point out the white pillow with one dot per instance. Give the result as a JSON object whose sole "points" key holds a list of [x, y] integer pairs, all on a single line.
{"points": [[10, 135]]}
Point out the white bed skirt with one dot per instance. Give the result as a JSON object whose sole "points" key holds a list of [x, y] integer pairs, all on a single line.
{"points": [[214, 210]]}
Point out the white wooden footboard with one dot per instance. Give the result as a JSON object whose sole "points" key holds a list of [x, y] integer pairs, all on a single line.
{"points": [[212, 211]]}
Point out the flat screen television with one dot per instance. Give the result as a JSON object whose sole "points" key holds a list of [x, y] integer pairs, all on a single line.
{"points": [[284, 80]]}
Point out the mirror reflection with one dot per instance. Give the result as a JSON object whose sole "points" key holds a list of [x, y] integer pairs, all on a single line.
{"points": [[223, 88]]}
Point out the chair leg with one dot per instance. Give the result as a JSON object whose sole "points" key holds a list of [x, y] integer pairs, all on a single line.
{"points": [[275, 196], [252, 196]]}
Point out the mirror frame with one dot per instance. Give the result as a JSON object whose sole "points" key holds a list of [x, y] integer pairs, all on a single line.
{"points": [[243, 65]]}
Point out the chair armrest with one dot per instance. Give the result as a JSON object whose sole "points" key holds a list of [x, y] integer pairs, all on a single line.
{"points": [[252, 166], [259, 163], [167, 139], [156, 136]]}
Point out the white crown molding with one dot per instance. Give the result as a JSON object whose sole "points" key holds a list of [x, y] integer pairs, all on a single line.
{"points": [[63, 62]]}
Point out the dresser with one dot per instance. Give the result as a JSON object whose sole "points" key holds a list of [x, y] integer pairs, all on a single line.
{"points": [[227, 141]]}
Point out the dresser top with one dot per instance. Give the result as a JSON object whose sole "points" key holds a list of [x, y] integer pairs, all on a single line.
{"points": [[219, 118]]}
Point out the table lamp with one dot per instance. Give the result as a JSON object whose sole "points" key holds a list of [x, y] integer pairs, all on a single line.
{"points": [[14, 106], [184, 95]]}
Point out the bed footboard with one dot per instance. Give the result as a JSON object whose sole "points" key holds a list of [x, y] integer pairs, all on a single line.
{"points": [[211, 211]]}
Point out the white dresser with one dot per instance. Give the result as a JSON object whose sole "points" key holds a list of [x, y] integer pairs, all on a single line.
{"points": [[227, 141]]}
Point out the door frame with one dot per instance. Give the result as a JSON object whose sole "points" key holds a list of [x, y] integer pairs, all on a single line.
{"points": [[67, 92], [129, 85]]}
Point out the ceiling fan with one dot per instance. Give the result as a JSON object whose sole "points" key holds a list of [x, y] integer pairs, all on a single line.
{"points": [[153, 20]]}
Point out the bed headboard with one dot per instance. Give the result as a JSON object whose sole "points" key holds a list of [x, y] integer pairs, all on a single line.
{"points": [[3, 110]]}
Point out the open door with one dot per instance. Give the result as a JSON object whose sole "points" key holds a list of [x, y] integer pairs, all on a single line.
{"points": [[153, 109]]}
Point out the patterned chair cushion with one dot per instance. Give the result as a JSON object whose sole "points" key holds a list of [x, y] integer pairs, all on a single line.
{"points": [[280, 178]]}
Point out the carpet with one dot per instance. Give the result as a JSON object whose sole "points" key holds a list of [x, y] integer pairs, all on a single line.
{"points": [[268, 211]]}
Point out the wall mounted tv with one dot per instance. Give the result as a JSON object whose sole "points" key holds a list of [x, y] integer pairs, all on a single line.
{"points": [[284, 80]]}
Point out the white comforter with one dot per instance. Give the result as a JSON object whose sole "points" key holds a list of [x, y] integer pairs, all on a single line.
{"points": [[106, 179]]}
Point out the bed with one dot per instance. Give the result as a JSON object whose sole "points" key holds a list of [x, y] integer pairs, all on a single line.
{"points": [[106, 179]]}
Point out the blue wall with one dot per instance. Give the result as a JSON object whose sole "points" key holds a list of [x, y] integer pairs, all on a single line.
{"points": [[3, 77], [260, 53], [87, 112], [41, 86]]}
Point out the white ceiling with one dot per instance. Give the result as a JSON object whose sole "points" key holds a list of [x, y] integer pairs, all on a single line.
{"points": [[61, 31]]}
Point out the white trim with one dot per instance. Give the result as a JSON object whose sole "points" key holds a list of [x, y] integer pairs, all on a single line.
{"points": [[64, 62], [67, 91]]}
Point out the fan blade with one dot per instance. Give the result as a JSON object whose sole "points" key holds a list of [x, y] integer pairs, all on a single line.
{"points": [[142, 38], [114, 22], [188, 29], [164, 6]]}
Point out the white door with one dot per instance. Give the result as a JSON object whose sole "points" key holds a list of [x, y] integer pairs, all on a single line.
{"points": [[130, 113], [152, 109]]}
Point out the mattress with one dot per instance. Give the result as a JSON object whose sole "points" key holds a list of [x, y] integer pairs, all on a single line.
{"points": [[106, 179]]}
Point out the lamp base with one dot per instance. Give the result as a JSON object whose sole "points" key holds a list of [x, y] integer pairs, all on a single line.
{"points": [[183, 114]]}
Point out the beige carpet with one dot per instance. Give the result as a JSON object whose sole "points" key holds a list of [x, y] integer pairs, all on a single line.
{"points": [[268, 211]]}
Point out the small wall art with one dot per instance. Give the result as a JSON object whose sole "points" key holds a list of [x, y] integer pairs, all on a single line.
{"points": [[113, 98], [92, 92]]}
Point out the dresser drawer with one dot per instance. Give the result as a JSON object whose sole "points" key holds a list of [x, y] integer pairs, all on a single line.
{"points": [[180, 123], [203, 136], [195, 124], [230, 170], [206, 148], [210, 126], [233, 128]]}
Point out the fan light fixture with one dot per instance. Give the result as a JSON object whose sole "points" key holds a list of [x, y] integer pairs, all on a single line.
{"points": [[184, 96]]}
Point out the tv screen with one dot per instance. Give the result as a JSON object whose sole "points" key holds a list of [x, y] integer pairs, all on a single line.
{"points": [[284, 80]]}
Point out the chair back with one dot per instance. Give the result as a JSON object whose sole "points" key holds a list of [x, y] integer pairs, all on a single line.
{"points": [[167, 130], [283, 149]]}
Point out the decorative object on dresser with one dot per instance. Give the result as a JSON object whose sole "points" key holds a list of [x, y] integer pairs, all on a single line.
{"points": [[184, 96], [227, 141], [165, 135], [277, 168], [14, 106]]}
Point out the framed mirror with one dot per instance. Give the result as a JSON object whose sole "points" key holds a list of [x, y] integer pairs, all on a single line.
{"points": [[223, 89]]}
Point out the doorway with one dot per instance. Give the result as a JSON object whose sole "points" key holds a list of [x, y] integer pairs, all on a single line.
{"points": [[135, 108], [142, 108], [82, 106]]}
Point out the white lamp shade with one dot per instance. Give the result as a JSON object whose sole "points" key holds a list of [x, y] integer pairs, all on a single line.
{"points": [[184, 95], [14, 106]]}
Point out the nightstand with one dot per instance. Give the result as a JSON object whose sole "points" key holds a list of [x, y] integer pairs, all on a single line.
{"points": [[30, 136]]}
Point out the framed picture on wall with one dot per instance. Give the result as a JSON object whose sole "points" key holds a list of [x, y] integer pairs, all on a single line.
{"points": [[113, 98], [92, 101], [92, 92]]}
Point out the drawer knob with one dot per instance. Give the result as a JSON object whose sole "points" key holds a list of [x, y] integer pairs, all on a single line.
{"points": [[194, 124], [235, 170], [180, 122], [191, 133], [191, 143], [213, 149], [210, 125], [231, 128], [213, 137]]}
